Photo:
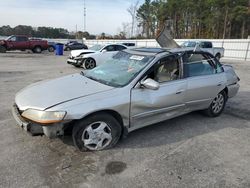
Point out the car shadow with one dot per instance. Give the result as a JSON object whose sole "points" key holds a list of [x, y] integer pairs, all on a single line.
{"points": [[184, 127]]}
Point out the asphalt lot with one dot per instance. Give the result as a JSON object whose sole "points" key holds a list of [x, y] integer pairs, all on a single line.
{"points": [[188, 151]]}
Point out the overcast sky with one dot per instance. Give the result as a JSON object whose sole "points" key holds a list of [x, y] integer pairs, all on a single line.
{"points": [[102, 15]]}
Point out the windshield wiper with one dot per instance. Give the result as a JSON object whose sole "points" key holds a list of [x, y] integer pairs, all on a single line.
{"points": [[100, 81]]}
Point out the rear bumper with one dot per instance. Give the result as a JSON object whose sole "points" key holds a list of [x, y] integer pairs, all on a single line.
{"points": [[35, 129]]}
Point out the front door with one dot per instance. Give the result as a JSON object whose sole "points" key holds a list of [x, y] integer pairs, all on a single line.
{"points": [[152, 106]]}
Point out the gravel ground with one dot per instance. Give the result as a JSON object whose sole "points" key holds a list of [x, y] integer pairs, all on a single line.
{"points": [[189, 151]]}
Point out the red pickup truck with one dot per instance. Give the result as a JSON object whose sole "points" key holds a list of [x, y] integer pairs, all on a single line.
{"points": [[18, 42]]}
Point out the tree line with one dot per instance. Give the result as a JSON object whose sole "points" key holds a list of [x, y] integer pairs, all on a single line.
{"points": [[43, 32], [195, 18]]}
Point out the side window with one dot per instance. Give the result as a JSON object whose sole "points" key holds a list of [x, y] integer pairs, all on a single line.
{"points": [[18, 39], [167, 69], [198, 65], [13, 39], [110, 48], [119, 48], [206, 45], [216, 63], [21, 39]]}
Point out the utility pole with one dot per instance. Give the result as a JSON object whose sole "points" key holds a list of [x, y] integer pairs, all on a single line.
{"points": [[84, 26]]}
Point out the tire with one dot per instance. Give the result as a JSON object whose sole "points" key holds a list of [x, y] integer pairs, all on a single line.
{"points": [[218, 56], [89, 63], [67, 49], [51, 49], [37, 50], [2, 49], [217, 105], [104, 129]]}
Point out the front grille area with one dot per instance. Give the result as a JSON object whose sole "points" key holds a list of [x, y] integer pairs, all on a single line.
{"points": [[17, 110], [18, 113]]}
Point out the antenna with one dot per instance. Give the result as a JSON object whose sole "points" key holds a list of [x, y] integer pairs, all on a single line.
{"points": [[84, 14]]}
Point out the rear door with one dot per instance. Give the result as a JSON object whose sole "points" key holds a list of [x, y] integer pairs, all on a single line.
{"points": [[23, 43], [152, 106], [119, 48], [204, 80]]}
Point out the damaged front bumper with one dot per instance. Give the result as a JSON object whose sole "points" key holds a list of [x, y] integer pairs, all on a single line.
{"points": [[35, 129], [77, 62]]}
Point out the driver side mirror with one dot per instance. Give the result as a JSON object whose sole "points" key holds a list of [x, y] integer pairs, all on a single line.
{"points": [[150, 84], [104, 50]]}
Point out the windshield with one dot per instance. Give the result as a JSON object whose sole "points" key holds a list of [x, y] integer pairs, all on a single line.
{"points": [[8, 38], [96, 47], [189, 44], [120, 70]]}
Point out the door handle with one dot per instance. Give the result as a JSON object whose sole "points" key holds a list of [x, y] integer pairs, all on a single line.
{"points": [[179, 92]]}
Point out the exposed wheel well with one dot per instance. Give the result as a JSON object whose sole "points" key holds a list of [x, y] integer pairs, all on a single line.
{"points": [[37, 46], [113, 113], [218, 54], [226, 91]]}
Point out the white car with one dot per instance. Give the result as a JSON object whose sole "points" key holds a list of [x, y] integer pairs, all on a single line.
{"points": [[93, 56]]}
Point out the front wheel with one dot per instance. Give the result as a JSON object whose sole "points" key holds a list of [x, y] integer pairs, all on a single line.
{"points": [[89, 63], [2, 49], [217, 105], [96, 132]]}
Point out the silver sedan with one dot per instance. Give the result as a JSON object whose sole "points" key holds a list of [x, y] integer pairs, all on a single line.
{"points": [[134, 89]]}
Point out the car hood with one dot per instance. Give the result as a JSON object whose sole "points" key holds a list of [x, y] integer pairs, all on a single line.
{"points": [[45, 94], [75, 53]]}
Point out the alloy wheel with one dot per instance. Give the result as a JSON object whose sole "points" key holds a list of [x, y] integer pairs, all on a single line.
{"points": [[218, 103], [97, 136], [89, 64]]}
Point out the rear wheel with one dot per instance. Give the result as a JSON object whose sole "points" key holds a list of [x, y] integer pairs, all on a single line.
{"points": [[217, 105], [67, 48], [37, 50], [96, 132], [89, 63], [2, 49]]}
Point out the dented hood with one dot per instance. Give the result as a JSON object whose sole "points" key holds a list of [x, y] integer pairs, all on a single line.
{"points": [[45, 94], [75, 53]]}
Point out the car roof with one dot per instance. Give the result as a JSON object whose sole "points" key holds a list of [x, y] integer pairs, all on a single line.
{"points": [[147, 51], [159, 51]]}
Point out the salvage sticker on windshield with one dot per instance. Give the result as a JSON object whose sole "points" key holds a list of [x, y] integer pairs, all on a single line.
{"points": [[137, 57]]}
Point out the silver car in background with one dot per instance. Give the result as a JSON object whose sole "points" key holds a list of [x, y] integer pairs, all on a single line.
{"points": [[136, 88]]}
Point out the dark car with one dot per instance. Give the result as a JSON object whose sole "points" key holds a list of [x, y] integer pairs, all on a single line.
{"points": [[52, 46], [129, 44], [74, 46]]}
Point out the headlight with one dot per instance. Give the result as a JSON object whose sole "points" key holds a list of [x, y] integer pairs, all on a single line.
{"points": [[79, 57], [44, 117]]}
